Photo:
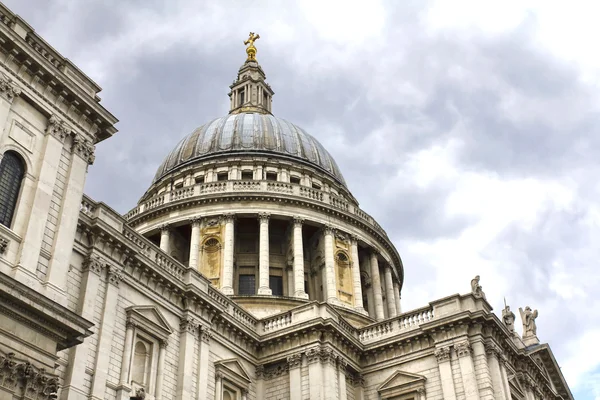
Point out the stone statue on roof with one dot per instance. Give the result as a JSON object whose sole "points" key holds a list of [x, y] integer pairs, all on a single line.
{"points": [[476, 288], [528, 318]]}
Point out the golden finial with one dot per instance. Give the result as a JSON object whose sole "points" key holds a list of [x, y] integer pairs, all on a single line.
{"points": [[251, 50]]}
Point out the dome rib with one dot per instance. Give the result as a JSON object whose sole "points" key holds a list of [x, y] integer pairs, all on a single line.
{"points": [[249, 132]]}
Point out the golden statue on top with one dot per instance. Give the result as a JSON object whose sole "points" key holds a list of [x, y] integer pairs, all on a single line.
{"points": [[251, 50]]}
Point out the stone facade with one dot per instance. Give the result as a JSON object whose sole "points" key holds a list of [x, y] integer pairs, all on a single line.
{"points": [[241, 274]]}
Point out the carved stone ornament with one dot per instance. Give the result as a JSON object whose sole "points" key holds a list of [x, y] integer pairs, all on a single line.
{"points": [[493, 349], [313, 355], [93, 264], [188, 324], [205, 334], [295, 360], [298, 220], [164, 228], [442, 354], [114, 275], [260, 372], [25, 380], [8, 88], [341, 236], [328, 356], [329, 230], [196, 221], [276, 371], [463, 348], [58, 128], [3, 245], [264, 217], [83, 148]]}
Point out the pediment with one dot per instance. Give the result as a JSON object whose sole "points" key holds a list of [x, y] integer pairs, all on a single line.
{"points": [[401, 382], [233, 370], [150, 319]]}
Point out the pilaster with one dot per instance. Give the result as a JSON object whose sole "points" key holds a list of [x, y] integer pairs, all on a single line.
{"points": [[493, 352], [295, 375], [467, 369], [443, 358], [188, 330], [106, 333], [315, 373], [8, 92], [203, 359]]}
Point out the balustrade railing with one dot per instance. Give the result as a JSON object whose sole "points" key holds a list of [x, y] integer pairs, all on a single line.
{"points": [[277, 322], [253, 186], [394, 326]]}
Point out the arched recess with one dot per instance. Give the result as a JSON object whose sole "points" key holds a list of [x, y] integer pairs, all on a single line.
{"points": [[211, 260], [12, 172], [343, 272]]}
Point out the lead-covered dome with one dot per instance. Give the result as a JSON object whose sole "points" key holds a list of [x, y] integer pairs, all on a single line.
{"points": [[249, 133]]}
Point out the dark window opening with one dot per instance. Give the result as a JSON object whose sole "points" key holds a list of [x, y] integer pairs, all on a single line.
{"points": [[12, 171], [295, 179], [179, 185], [316, 186], [222, 176], [247, 175], [241, 97], [199, 179], [276, 285], [247, 285], [271, 176], [305, 286]]}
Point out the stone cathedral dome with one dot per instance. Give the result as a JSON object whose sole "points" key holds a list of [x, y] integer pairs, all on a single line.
{"points": [[250, 133]]}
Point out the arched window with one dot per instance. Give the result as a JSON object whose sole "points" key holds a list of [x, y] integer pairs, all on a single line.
{"points": [[12, 170]]}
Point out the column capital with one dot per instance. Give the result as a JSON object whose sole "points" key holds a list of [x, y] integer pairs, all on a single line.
{"points": [[354, 240], [58, 128], [328, 229], [196, 221], [93, 264], [83, 148], [295, 360], [205, 334], [188, 324], [228, 217], [375, 253], [165, 227], [493, 349], [264, 217], [463, 348], [298, 220], [129, 324], [313, 355], [8, 89], [342, 364], [114, 276], [163, 343], [442, 354], [260, 371]]}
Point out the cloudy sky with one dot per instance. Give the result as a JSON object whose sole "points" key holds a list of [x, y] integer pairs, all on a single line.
{"points": [[469, 129]]}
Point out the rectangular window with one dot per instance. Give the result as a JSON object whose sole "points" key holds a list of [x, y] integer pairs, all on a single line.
{"points": [[199, 179], [276, 285], [247, 175], [295, 179], [316, 186], [222, 176], [241, 97], [179, 185], [247, 284], [271, 176]]}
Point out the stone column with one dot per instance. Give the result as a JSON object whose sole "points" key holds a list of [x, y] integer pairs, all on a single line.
{"points": [[8, 91], [358, 300], [188, 329], [397, 297], [244, 394], [330, 266], [315, 373], [359, 387], [503, 361], [195, 243], [228, 248], [165, 238], [443, 358], [467, 369], [390, 299], [263, 255], [294, 365], [342, 391], [124, 389], [376, 283], [75, 375], [106, 333], [493, 353], [202, 379], [299, 260], [482, 368]]}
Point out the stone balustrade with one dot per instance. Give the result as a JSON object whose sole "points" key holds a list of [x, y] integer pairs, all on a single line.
{"points": [[394, 326], [240, 186]]}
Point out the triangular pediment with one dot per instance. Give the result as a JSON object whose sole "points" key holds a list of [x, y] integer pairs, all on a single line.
{"points": [[233, 368], [401, 382], [149, 317]]}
